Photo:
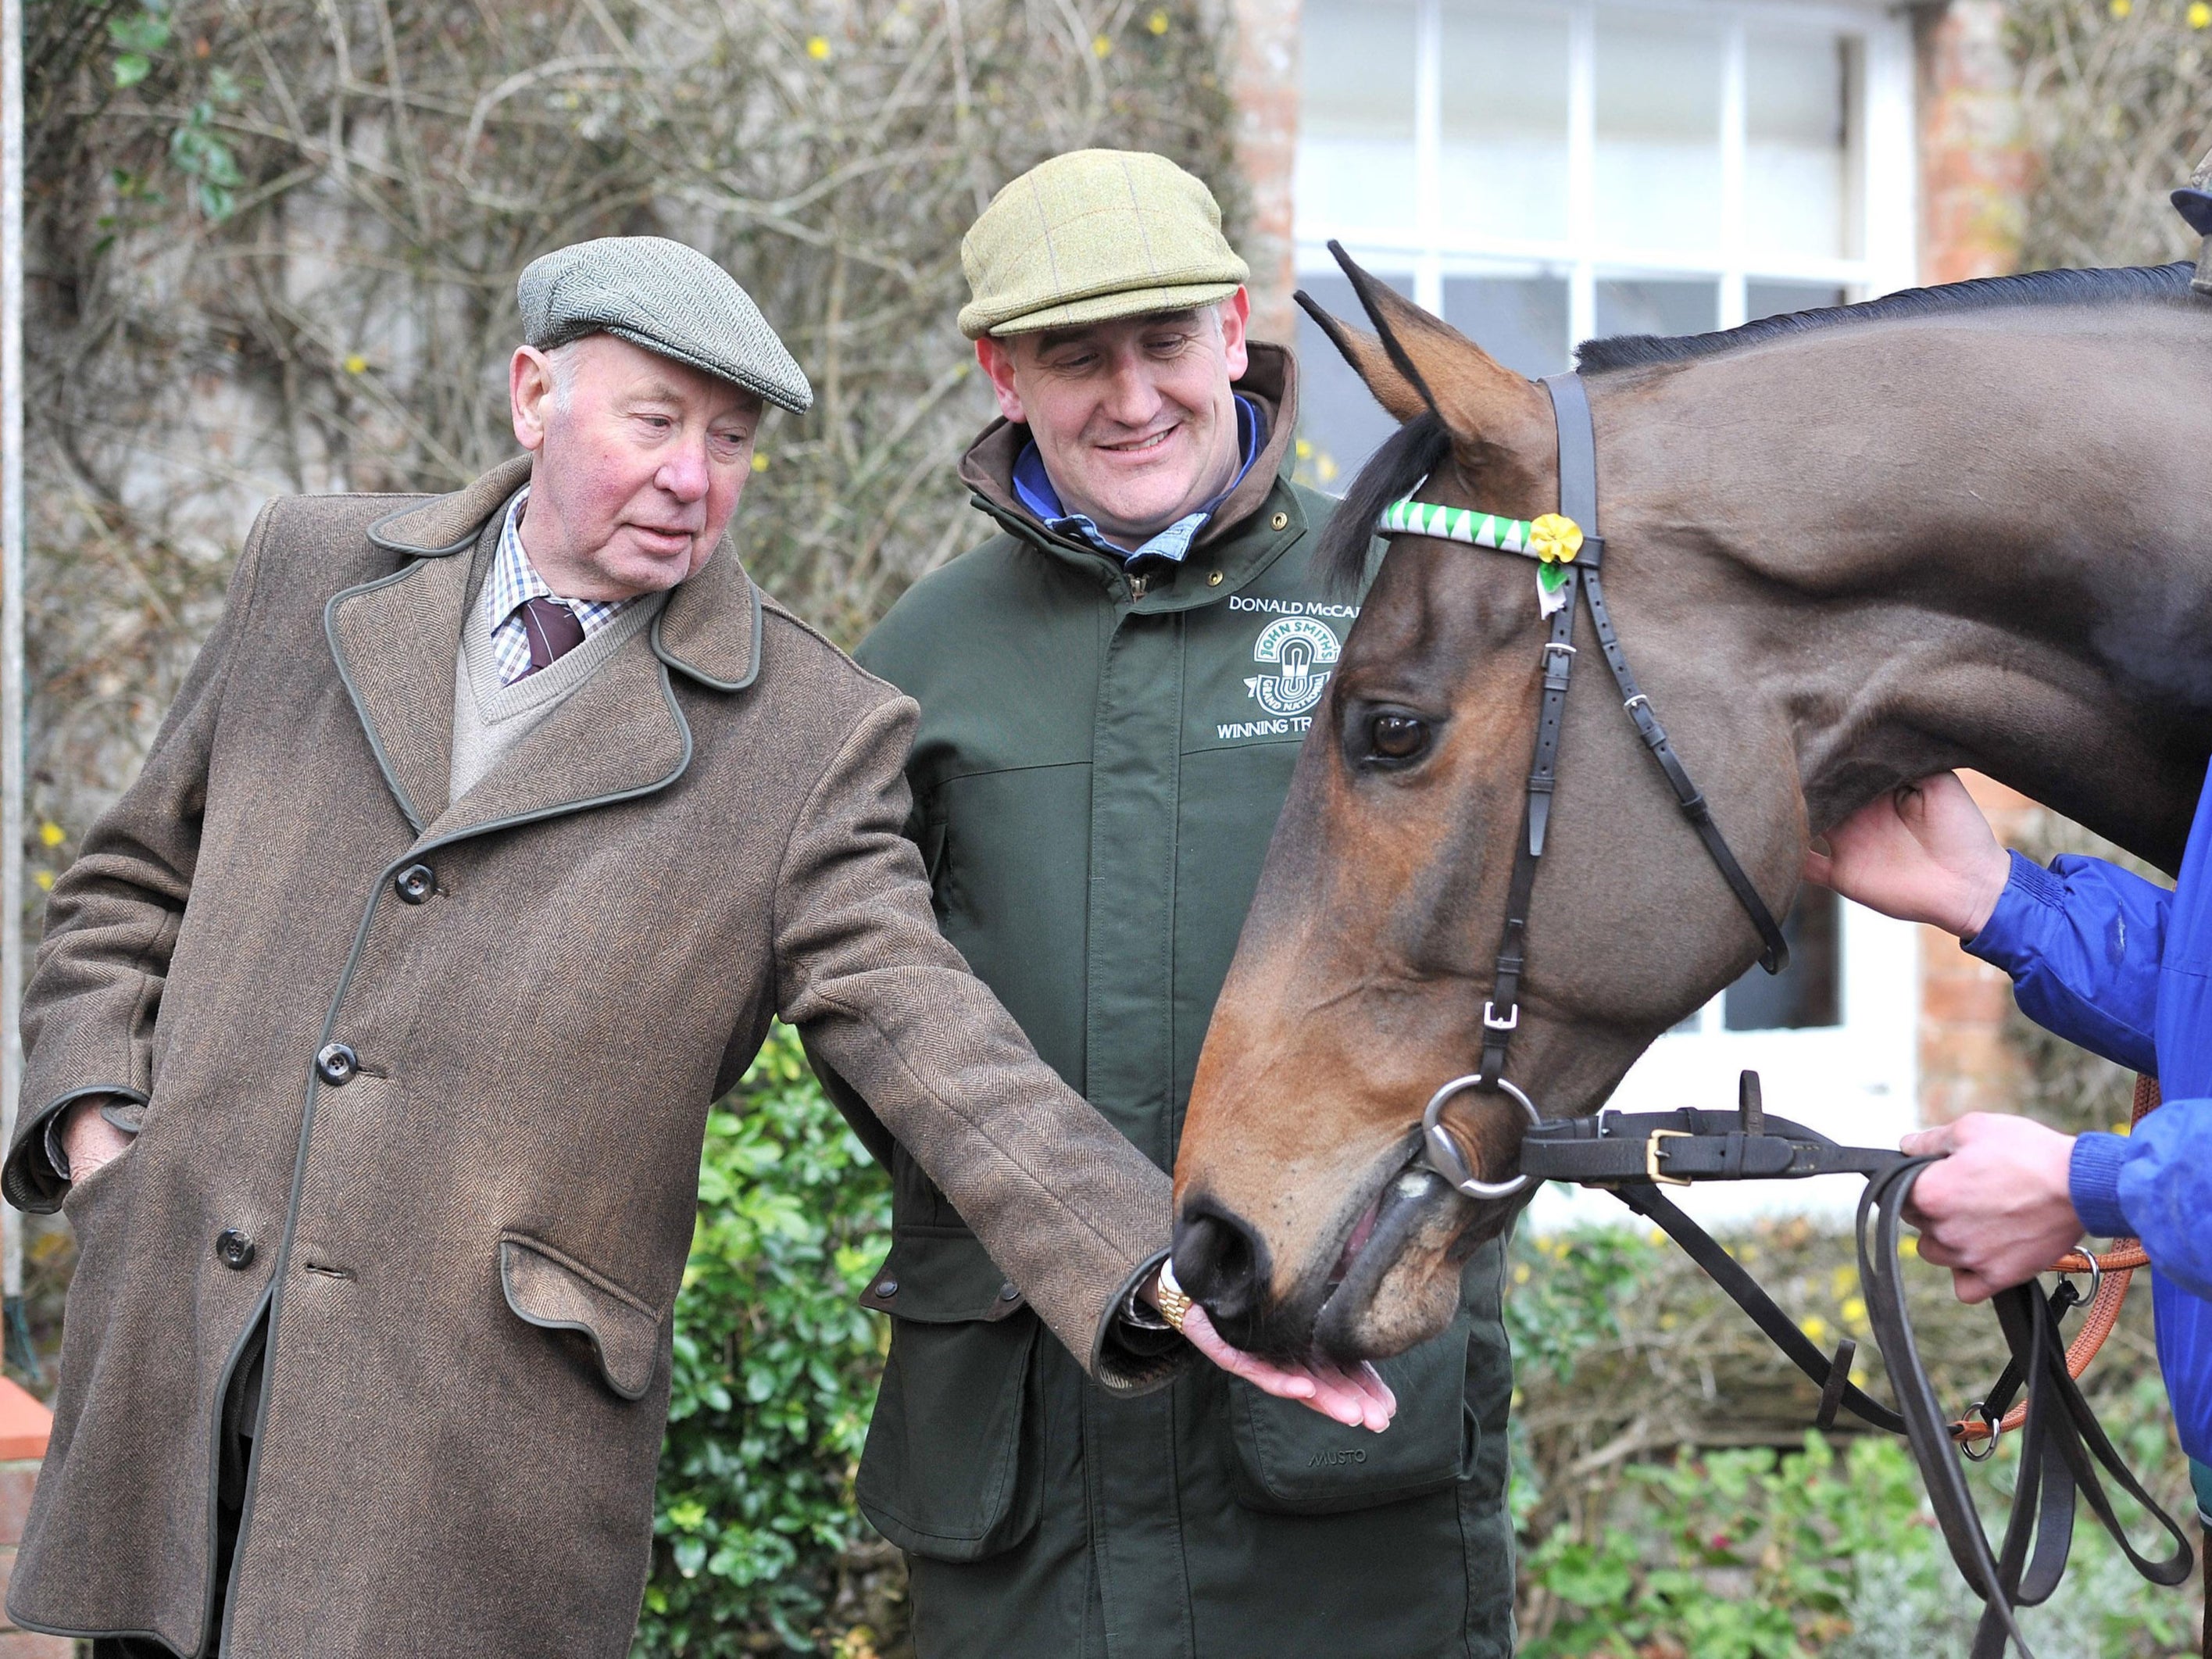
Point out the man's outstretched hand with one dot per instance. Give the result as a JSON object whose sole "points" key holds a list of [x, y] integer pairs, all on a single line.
{"points": [[1997, 1210], [1359, 1398]]}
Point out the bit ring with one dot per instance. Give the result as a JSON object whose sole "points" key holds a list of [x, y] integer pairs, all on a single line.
{"points": [[1441, 1153]]}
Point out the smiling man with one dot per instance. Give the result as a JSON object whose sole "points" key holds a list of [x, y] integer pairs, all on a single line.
{"points": [[375, 1026], [1113, 691]]}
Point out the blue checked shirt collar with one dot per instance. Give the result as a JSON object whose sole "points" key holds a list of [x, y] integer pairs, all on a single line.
{"points": [[1033, 486], [514, 580]]}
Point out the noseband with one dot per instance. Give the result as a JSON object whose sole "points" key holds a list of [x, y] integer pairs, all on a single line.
{"points": [[1568, 551]]}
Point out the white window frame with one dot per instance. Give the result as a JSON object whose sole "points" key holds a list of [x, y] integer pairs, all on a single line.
{"points": [[1886, 184], [1857, 1080]]}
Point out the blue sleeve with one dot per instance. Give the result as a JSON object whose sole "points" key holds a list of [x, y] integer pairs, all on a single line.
{"points": [[2157, 1184], [2083, 941]]}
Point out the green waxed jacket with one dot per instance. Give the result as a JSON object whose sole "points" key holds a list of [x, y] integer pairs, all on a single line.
{"points": [[1096, 775]]}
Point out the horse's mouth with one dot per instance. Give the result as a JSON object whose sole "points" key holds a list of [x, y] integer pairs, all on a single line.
{"points": [[1413, 1217], [1356, 1241]]}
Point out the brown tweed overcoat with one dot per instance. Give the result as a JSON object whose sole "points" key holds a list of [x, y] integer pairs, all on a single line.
{"points": [[469, 1248]]}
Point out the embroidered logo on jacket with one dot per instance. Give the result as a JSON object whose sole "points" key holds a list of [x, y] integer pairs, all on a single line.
{"points": [[1302, 651]]}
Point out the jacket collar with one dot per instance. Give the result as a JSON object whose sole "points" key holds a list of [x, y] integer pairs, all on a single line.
{"points": [[621, 733], [709, 628], [1270, 379]]}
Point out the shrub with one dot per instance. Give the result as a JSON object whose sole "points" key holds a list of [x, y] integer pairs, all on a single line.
{"points": [[775, 1373]]}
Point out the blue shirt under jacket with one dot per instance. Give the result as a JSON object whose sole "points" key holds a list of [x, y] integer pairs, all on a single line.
{"points": [[2124, 968]]}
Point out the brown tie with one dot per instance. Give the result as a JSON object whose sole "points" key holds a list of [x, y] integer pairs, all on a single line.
{"points": [[553, 631]]}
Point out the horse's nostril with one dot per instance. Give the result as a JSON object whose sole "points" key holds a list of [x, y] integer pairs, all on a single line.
{"points": [[1219, 1261]]}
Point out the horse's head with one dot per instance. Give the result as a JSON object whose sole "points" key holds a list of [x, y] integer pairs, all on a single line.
{"points": [[1359, 983]]}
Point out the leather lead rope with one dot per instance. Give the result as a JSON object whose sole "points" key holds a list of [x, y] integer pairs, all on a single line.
{"points": [[2063, 1448]]}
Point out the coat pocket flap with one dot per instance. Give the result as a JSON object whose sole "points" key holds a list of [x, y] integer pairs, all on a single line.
{"points": [[548, 1289], [940, 1276], [1291, 1461]]}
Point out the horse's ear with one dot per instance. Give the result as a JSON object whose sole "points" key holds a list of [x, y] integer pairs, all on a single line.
{"points": [[1477, 398], [1369, 360]]}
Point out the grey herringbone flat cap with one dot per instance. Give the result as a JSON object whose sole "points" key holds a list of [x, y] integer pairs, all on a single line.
{"points": [[665, 297], [1092, 235]]}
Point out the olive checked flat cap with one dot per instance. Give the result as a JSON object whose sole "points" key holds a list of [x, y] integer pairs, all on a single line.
{"points": [[1092, 235], [665, 297]]}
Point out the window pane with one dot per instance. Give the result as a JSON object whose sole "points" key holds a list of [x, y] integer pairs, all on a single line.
{"points": [[1658, 304], [1340, 423], [1803, 994], [1520, 321], [1778, 299], [1502, 166], [1658, 165], [1797, 155], [1356, 125]]}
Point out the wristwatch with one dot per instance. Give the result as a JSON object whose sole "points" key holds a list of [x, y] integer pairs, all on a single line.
{"points": [[1173, 1303]]}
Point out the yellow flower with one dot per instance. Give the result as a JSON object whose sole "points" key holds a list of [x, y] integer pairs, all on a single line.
{"points": [[356, 363], [51, 833], [2200, 16], [1101, 45], [817, 49], [1555, 539], [1908, 1245], [760, 462], [1854, 1312], [1521, 1273], [45, 881], [1815, 1327], [1158, 22], [1304, 448], [2121, 9], [1655, 1234]]}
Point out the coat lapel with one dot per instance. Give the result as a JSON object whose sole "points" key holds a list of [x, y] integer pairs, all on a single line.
{"points": [[620, 733], [395, 641]]}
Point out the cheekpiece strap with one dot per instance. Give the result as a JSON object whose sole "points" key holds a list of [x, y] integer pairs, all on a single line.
{"points": [[1570, 552]]}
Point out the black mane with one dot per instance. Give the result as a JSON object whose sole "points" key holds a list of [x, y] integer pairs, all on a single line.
{"points": [[2037, 288], [1407, 456], [1418, 448]]}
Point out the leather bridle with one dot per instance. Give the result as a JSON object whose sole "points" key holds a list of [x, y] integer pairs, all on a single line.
{"points": [[1501, 1014], [2062, 1445]]}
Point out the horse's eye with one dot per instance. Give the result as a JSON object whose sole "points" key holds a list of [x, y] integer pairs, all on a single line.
{"points": [[1398, 737]]}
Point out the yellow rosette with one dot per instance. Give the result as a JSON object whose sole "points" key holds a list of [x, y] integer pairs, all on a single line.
{"points": [[1554, 538]]}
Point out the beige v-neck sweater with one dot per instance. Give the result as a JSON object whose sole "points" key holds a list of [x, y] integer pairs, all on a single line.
{"points": [[489, 718]]}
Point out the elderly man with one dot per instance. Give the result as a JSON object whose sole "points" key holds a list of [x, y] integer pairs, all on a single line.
{"points": [[1113, 690], [373, 1031]]}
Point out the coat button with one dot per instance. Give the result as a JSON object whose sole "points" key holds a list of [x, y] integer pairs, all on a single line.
{"points": [[887, 1287], [1010, 1291], [1280, 521], [336, 1064], [233, 1248], [416, 883], [1214, 578]]}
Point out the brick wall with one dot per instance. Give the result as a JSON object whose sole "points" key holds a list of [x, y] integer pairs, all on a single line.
{"points": [[1264, 69], [1975, 165], [1965, 1064]]}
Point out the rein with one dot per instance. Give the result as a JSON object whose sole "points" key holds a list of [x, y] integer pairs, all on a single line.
{"points": [[2062, 1446]]}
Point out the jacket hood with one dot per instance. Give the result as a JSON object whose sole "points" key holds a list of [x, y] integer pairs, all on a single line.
{"points": [[1271, 379]]}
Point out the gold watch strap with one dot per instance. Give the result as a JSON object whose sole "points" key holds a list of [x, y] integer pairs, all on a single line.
{"points": [[1174, 1304]]}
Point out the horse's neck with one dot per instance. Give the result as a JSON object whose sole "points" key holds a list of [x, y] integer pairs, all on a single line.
{"points": [[1968, 546]]}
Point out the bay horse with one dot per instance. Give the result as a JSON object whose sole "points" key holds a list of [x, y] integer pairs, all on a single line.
{"points": [[1958, 526]]}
